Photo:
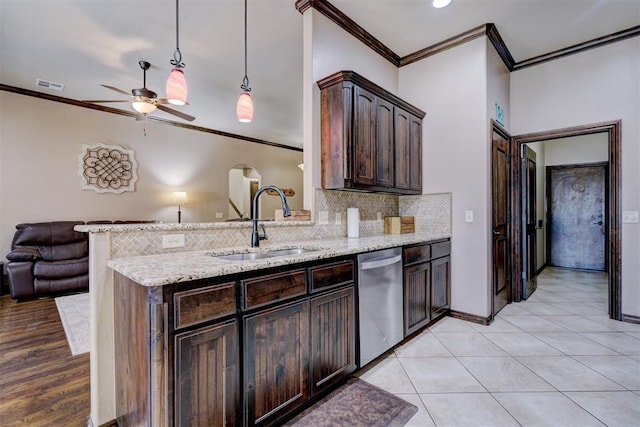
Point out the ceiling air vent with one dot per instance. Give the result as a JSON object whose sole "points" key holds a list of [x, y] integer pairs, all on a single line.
{"points": [[49, 85]]}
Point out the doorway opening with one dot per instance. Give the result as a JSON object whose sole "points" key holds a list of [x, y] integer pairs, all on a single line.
{"points": [[244, 182], [612, 206]]}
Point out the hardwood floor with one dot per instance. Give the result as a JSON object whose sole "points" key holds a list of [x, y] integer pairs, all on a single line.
{"points": [[41, 384]]}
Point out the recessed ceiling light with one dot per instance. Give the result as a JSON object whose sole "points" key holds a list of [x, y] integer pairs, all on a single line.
{"points": [[441, 3]]}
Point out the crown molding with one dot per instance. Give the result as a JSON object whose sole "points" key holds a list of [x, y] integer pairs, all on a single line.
{"points": [[111, 110], [489, 30]]}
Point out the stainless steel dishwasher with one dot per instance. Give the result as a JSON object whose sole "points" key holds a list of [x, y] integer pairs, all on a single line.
{"points": [[380, 302]]}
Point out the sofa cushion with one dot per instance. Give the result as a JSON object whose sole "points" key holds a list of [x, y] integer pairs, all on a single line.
{"points": [[60, 269], [66, 251], [24, 254], [58, 286]]}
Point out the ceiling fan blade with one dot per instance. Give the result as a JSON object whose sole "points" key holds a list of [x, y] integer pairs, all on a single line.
{"points": [[98, 101], [165, 101], [175, 113], [117, 90]]}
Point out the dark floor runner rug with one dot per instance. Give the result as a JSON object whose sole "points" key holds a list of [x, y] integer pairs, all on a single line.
{"points": [[354, 404]]}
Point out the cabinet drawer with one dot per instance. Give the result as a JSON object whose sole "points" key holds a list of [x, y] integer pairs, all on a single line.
{"points": [[415, 254], [204, 304], [440, 249], [330, 275], [276, 287]]}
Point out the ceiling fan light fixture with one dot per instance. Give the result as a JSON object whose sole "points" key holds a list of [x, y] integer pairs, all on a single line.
{"points": [[177, 87], [244, 109], [143, 107], [438, 4]]}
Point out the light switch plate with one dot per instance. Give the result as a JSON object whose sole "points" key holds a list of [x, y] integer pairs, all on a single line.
{"points": [[323, 218], [219, 215], [468, 216], [379, 216], [630, 217], [338, 218]]}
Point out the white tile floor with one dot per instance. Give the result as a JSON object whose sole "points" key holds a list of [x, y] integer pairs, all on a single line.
{"points": [[553, 360]]}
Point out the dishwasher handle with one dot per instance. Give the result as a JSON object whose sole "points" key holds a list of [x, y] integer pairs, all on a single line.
{"points": [[368, 265]]}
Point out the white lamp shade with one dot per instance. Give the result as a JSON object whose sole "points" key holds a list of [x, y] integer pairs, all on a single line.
{"points": [[179, 197], [244, 109], [143, 107], [177, 87], [441, 3]]}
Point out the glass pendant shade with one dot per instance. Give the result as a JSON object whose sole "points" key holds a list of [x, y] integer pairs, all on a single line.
{"points": [[177, 87], [244, 109], [143, 107]]}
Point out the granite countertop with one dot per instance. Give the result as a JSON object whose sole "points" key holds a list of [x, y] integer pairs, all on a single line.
{"points": [[159, 270], [185, 226]]}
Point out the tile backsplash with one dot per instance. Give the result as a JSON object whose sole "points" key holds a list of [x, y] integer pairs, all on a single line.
{"points": [[432, 214]]}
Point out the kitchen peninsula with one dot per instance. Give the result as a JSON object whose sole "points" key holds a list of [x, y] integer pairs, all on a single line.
{"points": [[134, 254]]}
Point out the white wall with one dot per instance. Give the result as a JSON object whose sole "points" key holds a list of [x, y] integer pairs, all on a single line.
{"points": [[329, 49], [451, 88], [577, 150], [590, 87], [40, 142]]}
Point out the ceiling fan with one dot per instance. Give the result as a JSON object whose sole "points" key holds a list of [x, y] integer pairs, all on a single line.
{"points": [[144, 101]]}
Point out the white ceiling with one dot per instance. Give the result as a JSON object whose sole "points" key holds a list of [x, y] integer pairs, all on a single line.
{"points": [[85, 43]]}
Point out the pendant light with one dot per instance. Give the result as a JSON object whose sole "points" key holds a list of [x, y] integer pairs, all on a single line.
{"points": [[244, 109], [176, 83]]}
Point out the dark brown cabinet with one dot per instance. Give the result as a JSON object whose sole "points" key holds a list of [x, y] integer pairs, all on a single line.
{"points": [[371, 139], [247, 349], [427, 284], [276, 362], [207, 376], [333, 341]]}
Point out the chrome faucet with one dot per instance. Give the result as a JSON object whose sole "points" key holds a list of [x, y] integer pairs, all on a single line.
{"points": [[255, 236]]}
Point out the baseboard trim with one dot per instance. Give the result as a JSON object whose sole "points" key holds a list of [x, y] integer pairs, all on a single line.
{"points": [[470, 317], [630, 318], [544, 265]]}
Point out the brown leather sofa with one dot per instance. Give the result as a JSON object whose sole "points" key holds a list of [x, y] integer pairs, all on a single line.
{"points": [[48, 258]]}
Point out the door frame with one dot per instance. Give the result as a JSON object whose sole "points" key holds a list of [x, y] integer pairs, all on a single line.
{"points": [[614, 208], [549, 223]]}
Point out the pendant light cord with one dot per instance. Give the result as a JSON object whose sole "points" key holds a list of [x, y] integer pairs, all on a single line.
{"points": [[245, 80], [177, 55]]}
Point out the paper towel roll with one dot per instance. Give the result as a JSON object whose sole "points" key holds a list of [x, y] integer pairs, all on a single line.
{"points": [[353, 222]]}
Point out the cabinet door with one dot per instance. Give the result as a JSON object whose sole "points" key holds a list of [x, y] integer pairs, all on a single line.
{"points": [[408, 151], [385, 157], [206, 376], [417, 296], [440, 286], [364, 137], [333, 341], [276, 362]]}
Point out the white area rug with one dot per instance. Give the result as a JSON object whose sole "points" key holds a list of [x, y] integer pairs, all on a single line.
{"points": [[74, 313]]}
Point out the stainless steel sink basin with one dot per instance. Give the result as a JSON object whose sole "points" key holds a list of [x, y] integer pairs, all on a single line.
{"points": [[292, 251], [250, 256]]}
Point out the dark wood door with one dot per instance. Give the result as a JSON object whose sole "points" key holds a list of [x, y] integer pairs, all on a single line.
{"points": [[384, 155], [577, 222], [333, 338], [276, 362], [206, 376], [440, 286], [417, 297], [500, 219], [364, 137], [408, 151], [529, 217]]}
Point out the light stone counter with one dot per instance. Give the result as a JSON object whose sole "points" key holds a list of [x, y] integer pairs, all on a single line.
{"points": [[163, 269]]}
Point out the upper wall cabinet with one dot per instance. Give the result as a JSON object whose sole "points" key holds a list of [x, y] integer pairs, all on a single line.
{"points": [[371, 139]]}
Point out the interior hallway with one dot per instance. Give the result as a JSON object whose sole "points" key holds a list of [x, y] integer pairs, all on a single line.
{"points": [[553, 360]]}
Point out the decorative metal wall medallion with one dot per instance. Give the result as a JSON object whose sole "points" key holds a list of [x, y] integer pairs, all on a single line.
{"points": [[107, 168]]}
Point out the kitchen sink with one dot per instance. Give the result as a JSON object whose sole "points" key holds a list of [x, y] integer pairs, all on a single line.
{"points": [[249, 256], [291, 251]]}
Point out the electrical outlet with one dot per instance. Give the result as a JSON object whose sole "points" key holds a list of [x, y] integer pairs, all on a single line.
{"points": [[630, 217], [323, 218], [338, 218], [468, 216], [219, 215], [172, 241]]}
